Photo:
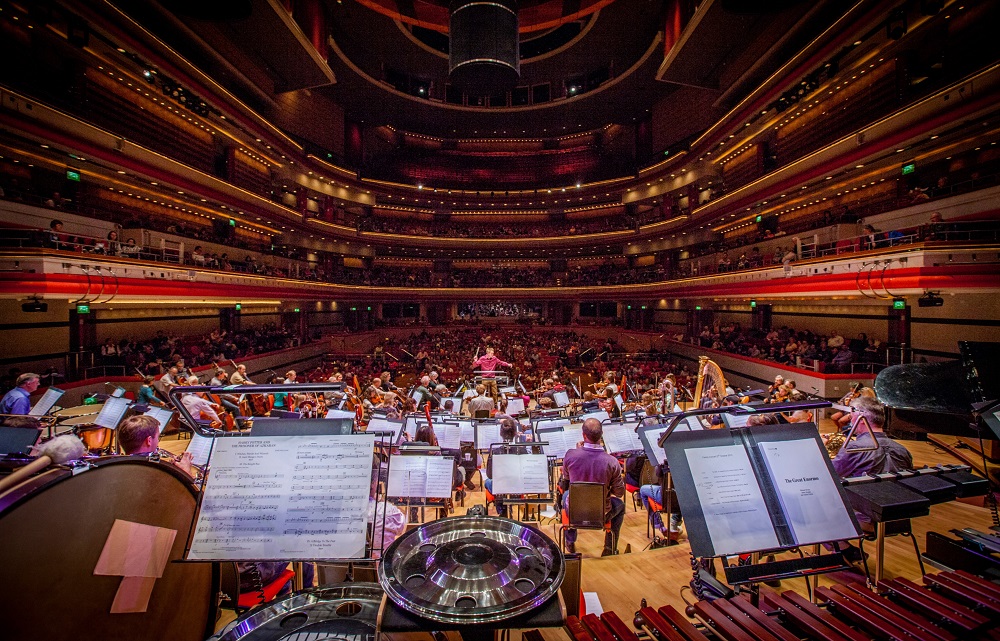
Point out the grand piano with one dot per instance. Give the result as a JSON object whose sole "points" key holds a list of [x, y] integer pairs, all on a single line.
{"points": [[938, 398]]}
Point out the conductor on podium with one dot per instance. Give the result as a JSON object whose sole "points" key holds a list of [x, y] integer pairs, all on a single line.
{"points": [[487, 364]]}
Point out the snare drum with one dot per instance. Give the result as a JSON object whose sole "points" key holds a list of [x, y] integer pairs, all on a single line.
{"points": [[54, 527], [79, 410]]}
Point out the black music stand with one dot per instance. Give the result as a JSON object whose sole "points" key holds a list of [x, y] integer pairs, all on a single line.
{"points": [[521, 499], [767, 515]]}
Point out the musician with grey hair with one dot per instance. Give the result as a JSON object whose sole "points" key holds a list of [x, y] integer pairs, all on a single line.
{"points": [[17, 400], [889, 456]]}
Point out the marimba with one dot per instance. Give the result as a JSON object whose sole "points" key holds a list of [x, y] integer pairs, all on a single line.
{"points": [[950, 606]]}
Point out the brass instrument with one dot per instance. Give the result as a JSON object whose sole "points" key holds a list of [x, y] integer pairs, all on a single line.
{"points": [[709, 375], [834, 443]]}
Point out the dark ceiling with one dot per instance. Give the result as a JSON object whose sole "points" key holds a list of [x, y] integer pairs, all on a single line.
{"points": [[380, 74]]}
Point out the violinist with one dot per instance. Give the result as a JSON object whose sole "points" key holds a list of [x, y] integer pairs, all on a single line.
{"points": [[843, 418], [140, 434], [147, 395]]}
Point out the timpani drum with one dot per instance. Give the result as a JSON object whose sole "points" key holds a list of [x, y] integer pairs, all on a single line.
{"points": [[73, 421], [341, 612], [54, 527], [79, 410]]}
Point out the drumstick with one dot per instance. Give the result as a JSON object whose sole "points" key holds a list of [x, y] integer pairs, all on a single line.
{"points": [[56, 451]]}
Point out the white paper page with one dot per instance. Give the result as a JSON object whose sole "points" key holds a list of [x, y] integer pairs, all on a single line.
{"points": [[161, 415], [507, 474], [486, 435], [285, 497], [200, 447], [449, 435], [339, 414], [593, 603], [112, 412], [456, 403], [385, 425], [440, 476], [46, 402], [468, 432], [653, 435], [731, 500], [534, 473], [557, 443], [600, 415], [809, 497], [735, 420], [621, 437], [561, 399], [515, 406], [410, 427], [408, 477]]}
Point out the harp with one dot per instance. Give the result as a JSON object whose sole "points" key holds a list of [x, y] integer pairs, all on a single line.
{"points": [[709, 376]]}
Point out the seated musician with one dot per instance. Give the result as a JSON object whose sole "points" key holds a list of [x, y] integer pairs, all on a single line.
{"points": [[140, 434], [200, 407], [17, 400], [590, 404], [147, 395], [589, 463], [425, 434], [889, 456], [842, 418], [239, 377], [655, 491], [508, 432], [481, 402]]}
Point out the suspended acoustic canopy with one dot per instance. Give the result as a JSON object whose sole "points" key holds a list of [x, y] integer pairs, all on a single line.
{"points": [[483, 49]]}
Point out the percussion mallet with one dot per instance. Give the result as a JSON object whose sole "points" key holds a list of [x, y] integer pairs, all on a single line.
{"points": [[57, 451]]}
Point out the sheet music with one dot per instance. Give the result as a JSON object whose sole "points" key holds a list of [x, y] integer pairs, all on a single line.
{"points": [[200, 447], [468, 431], [487, 434], [561, 399], [421, 477], [813, 506], [736, 420], [112, 413], [385, 425], [731, 500], [621, 437], [285, 498], [551, 423], [520, 474], [561, 440], [456, 403], [652, 436], [412, 422], [335, 413], [46, 402], [515, 405], [600, 415], [449, 435], [161, 415]]}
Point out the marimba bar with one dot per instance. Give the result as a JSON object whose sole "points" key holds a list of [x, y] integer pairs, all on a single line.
{"points": [[951, 606]]}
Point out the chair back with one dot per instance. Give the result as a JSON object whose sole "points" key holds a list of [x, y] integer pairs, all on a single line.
{"points": [[482, 414], [586, 505]]}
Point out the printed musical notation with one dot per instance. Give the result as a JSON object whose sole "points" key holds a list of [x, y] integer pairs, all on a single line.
{"points": [[285, 497]]}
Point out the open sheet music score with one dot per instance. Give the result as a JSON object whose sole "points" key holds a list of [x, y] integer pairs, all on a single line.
{"points": [[515, 406], [600, 415], [808, 494], [621, 437], [386, 425], [46, 402], [467, 432], [200, 448], [487, 433], [337, 413], [731, 500], [162, 416], [113, 412], [449, 435], [561, 399], [561, 439], [421, 477], [285, 498], [649, 436], [520, 474]]}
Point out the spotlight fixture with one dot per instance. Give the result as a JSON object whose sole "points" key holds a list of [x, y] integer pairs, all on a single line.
{"points": [[930, 299]]}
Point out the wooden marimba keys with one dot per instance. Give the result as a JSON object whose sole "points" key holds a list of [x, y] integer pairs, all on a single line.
{"points": [[951, 606]]}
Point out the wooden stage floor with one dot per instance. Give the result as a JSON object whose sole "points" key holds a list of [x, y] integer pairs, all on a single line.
{"points": [[661, 576]]}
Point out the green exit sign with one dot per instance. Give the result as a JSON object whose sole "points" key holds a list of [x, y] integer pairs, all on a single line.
{"points": [[232, 223], [83, 309], [239, 306], [758, 218], [753, 304], [697, 308], [909, 168], [72, 175], [899, 304], [296, 310]]}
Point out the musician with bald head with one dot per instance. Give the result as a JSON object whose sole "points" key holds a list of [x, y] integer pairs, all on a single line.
{"points": [[589, 463]]}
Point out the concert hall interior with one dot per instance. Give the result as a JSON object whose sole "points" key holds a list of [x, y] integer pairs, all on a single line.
{"points": [[477, 227]]}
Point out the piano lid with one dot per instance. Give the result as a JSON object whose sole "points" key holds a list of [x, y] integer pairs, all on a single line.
{"points": [[929, 387]]}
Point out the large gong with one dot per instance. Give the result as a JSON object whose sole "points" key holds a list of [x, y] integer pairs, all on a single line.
{"points": [[54, 528], [471, 570], [345, 612]]}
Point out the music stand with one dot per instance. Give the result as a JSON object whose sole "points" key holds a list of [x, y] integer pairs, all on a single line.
{"points": [[517, 472]]}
